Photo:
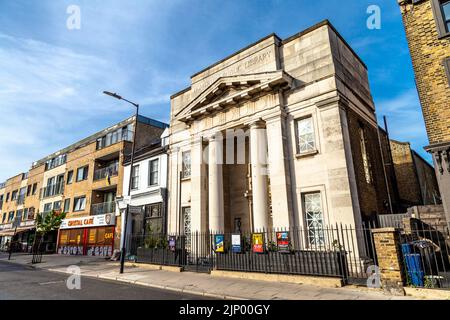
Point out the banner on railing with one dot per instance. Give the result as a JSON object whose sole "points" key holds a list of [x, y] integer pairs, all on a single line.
{"points": [[219, 243], [258, 242], [236, 246], [283, 242]]}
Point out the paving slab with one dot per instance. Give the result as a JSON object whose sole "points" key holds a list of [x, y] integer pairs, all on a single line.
{"points": [[200, 284]]}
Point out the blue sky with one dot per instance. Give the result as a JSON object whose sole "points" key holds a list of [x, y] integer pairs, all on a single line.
{"points": [[51, 78]]}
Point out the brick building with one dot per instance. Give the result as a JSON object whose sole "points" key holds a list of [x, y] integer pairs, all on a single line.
{"points": [[427, 26], [82, 180], [416, 180]]}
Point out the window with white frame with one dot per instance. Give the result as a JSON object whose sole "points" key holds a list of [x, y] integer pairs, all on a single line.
{"points": [[79, 204], [48, 207], [305, 135], [154, 172], [135, 177], [312, 203], [82, 173], [186, 164]]}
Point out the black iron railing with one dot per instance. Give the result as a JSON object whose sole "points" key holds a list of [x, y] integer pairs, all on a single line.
{"points": [[426, 255], [339, 251]]}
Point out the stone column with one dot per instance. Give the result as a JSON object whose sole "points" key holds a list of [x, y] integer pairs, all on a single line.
{"points": [[280, 184], [258, 159], [216, 204], [198, 186], [387, 246]]}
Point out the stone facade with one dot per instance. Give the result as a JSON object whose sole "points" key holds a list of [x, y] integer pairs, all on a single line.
{"points": [[268, 94], [429, 44]]}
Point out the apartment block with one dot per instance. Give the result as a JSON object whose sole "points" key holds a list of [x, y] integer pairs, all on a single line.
{"points": [[83, 180]]}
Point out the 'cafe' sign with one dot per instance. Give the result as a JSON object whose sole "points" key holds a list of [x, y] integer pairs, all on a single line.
{"points": [[88, 222]]}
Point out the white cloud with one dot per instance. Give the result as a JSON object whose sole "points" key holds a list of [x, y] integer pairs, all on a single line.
{"points": [[46, 91], [405, 119]]}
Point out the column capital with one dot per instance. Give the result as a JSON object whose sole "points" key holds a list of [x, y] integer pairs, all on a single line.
{"points": [[258, 124]]}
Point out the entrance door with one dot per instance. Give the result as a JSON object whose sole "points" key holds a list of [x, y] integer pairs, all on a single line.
{"points": [[196, 247]]}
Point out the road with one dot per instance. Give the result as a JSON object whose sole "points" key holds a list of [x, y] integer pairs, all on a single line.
{"points": [[19, 282]]}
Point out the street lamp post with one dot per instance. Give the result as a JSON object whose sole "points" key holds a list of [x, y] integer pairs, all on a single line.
{"points": [[133, 148]]}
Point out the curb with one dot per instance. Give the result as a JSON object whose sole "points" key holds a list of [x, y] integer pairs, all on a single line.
{"points": [[156, 286]]}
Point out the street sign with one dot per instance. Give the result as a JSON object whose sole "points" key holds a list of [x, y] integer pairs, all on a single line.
{"points": [[127, 200]]}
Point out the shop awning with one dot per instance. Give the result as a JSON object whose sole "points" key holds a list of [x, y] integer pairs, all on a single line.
{"points": [[25, 229], [8, 233]]}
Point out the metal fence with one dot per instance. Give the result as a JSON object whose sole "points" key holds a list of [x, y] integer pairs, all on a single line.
{"points": [[338, 251], [426, 257], [392, 220]]}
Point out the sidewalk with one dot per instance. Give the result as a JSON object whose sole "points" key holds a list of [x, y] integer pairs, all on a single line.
{"points": [[199, 284]]}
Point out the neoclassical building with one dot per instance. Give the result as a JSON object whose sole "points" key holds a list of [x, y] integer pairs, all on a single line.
{"points": [[280, 134]]}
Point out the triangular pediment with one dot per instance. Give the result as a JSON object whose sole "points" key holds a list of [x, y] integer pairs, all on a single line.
{"points": [[231, 90]]}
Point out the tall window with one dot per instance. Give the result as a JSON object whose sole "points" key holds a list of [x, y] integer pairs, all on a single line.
{"points": [[48, 207], [135, 177], [11, 216], [153, 218], [34, 189], [19, 214], [66, 205], [4, 217], [312, 203], [305, 135], [14, 195], [79, 204], [187, 226], [365, 156], [70, 177], [57, 205], [441, 10], [186, 164], [82, 173], [154, 172]]}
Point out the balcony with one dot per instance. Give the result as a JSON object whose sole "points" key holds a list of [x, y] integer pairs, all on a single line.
{"points": [[109, 171], [103, 208], [52, 190]]}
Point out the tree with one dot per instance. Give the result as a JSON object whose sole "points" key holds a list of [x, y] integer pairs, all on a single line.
{"points": [[45, 224], [50, 222]]}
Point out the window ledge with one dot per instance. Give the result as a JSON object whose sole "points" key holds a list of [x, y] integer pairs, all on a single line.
{"points": [[306, 154], [444, 36], [186, 179]]}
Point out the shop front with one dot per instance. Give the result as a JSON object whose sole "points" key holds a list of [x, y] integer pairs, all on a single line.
{"points": [[91, 236]]}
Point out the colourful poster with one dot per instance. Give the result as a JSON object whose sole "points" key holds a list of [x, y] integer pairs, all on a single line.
{"points": [[236, 246], [219, 240], [283, 242], [172, 243], [258, 242]]}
